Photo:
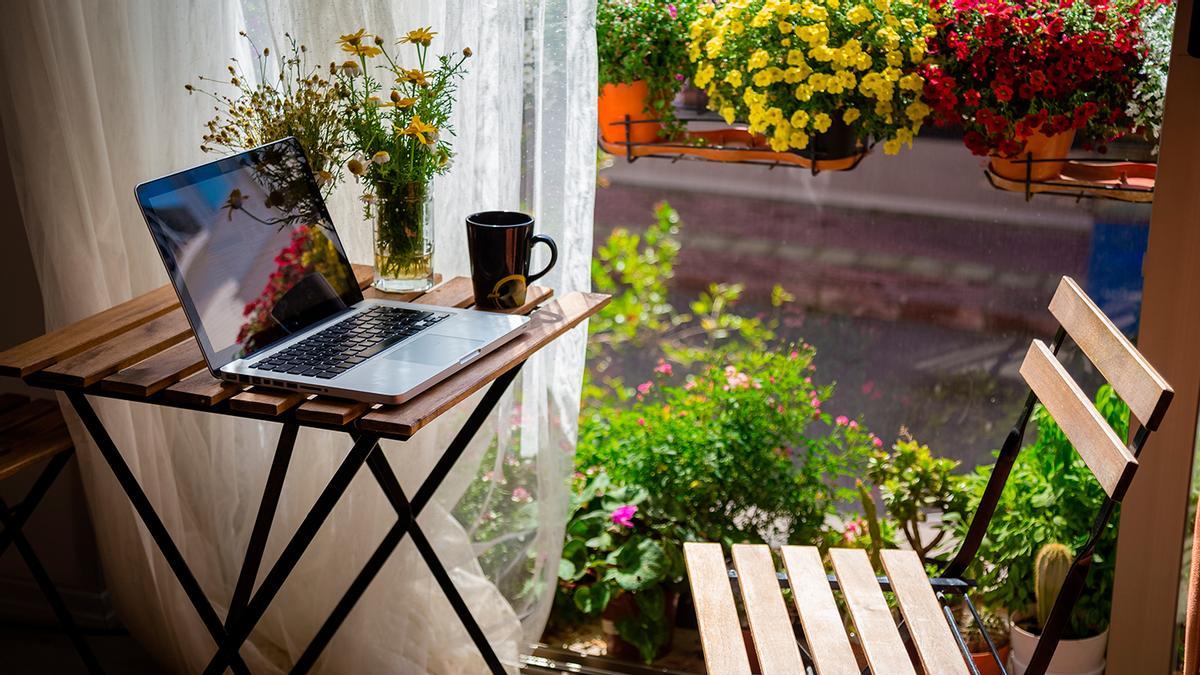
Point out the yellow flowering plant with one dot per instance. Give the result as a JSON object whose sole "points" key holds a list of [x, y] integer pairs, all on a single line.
{"points": [[398, 128], [796, 70]]}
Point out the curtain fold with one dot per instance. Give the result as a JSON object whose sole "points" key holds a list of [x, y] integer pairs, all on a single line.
{"points": [[94, 103]]}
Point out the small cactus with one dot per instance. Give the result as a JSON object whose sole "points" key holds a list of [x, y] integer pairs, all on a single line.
{"points": [[1050, 569]]}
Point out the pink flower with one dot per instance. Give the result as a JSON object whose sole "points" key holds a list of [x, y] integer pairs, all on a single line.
{"points": [[736, 380], [794, 355], [645, 387], [808, 380], [689, 385], [520, 494], [642, 421], [842, 420], [779, 409], [663, 368], [815, 402], [853, 424], [623, 515], [877, 441], [672, 11]]}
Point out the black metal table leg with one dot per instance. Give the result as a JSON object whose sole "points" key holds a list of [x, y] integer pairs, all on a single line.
{"points": [[12, 529], [154, 525], [20, 512], [247, 619], [408, 513], [389, 483], [262, 522]]}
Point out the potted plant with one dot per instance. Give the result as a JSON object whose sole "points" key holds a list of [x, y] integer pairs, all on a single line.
{"points": [[641, 46], [622, 561], [997, 629], [824, 79], [1023, 77], [399, 134], [1051, 496], [1150, 91]]}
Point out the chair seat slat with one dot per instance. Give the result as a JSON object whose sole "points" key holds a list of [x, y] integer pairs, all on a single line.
{"points": [[880, 637], [824, 630], [716, 614], [770, 626], [1095, 441], [936, 646]]}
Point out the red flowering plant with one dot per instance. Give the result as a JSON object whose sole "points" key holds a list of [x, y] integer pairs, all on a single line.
{"points": [[1006, 69]]}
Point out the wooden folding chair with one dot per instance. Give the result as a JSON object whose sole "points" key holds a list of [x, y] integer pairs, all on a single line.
{"points": [[927, 626]]}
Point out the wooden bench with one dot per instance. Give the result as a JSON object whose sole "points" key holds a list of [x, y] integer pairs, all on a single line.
{"points": [[32, 432]]}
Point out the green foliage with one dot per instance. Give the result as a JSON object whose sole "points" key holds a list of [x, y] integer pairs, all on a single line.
{"points": [[621, 540], [744, 451], [913, 483], [1050, 569], [1050, 496], [645, 40]]}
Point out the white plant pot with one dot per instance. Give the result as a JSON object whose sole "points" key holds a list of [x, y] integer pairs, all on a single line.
{"points": [[1073, 657]]}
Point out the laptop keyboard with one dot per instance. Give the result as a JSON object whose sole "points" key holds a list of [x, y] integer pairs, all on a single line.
{"points": [[349, 342]]}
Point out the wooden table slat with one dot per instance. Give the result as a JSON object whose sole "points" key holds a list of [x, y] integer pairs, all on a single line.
{"points": [[156, 373], [201, 390], [265, 401], [40, 352], [89, 366], [33, 442], [923, 616], [877, 629], [770, 625], [10, 401], [824, 630], [549, 322], [456, 292], [331, 411], [25, 414], [716, 614]]}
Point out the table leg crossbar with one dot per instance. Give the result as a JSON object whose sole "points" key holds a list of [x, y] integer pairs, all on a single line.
{"points": [[247, 607], [12, 519]]}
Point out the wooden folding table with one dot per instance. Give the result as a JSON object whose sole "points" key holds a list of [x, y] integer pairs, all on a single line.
{"points": [[143, 350]]}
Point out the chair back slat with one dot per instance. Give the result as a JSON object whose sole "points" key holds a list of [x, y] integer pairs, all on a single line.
{"points": [[1106, 455], [824, 629], [1133, 378]]}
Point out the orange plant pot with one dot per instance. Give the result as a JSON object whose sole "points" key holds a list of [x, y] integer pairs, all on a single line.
{"points": [[986, 665], [1037, 147], [619, 100]]}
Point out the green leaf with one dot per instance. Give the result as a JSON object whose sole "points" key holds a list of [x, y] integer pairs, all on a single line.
{"points": [[592, 600], [639, 564], [573, 564]]}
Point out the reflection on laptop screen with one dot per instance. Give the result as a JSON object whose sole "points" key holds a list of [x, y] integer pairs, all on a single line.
{"points": [[250, 249]]}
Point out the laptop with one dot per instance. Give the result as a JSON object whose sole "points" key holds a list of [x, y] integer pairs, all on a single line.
{"points": [[266, 286]]}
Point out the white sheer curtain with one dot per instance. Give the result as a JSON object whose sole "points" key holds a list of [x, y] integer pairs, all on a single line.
{"points": [[92, 102]]}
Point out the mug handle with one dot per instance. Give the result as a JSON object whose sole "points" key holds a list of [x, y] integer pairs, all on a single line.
{"points": [[545, 239]]}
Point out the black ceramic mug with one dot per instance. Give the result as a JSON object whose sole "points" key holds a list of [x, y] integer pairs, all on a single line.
{"points": [[500, 244]]}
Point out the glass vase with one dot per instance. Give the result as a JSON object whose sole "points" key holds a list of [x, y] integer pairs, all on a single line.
{"points": [[404, 238]]}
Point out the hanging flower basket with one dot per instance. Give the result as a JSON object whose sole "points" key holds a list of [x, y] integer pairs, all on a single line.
{"points": [[621, 102], [1042, 158]]}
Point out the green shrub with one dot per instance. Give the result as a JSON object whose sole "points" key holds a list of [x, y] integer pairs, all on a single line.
{"points": [[1051, 496]]}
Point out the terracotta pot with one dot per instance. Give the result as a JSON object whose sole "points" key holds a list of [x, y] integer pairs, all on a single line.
{"points": [[985, 664], [619, 100], [1072, 657], [1037, 147], [623, 606]]}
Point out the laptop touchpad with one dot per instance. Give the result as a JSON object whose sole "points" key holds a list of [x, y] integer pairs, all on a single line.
{"points": [[435, 350]]}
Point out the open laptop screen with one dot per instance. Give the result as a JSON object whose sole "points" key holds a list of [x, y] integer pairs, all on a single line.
{"points": [[250, 249]]}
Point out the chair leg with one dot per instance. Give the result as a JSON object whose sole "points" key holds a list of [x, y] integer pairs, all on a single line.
{"points": [[12, 529]]}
